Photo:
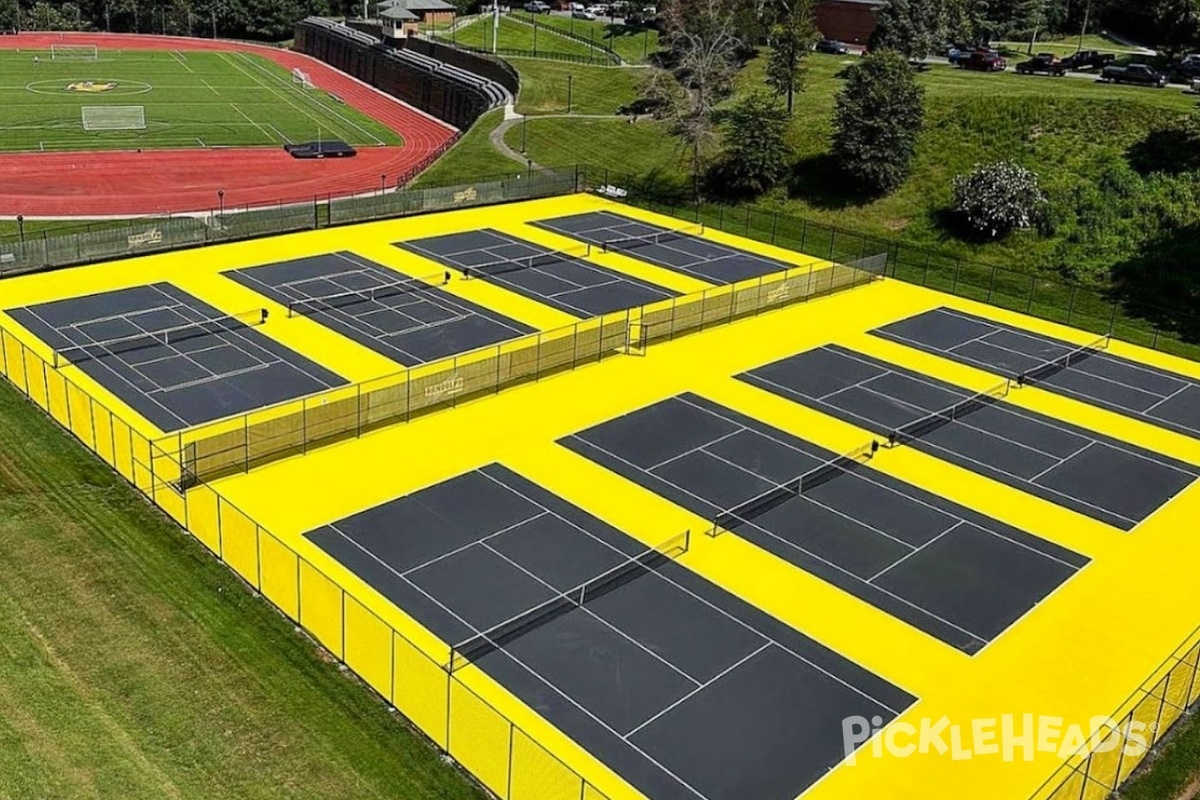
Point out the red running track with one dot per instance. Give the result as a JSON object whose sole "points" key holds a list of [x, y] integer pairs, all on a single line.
{"points": [[104, 182]]}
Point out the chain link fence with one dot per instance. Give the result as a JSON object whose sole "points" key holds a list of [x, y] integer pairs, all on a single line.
{"points": [[89, 244]]}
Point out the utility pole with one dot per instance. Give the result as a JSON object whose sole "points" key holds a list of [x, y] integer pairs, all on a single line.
{"points": [[495, 24], [1087, 11], [214, 20]]}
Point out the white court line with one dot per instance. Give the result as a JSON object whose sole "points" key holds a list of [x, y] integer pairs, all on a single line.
{"points": [[1025, 415], [121, 379], [537, 675], [210, 87], [798, 548], [741, 623], [871, 580], [865, 477], [583, 607], [697, 690]]}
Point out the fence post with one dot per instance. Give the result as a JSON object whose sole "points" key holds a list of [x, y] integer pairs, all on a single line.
{"points": [[832, 235], [954, 284], [1032, 289], [1071, 305], [1112, 320], [991, 284], [774, 225], [747, 232]]}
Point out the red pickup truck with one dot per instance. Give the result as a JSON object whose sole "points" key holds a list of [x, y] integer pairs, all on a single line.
{"points": [[983, 61]]}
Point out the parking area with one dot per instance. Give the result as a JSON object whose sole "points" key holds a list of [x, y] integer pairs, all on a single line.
{"points": [[170, 356], [409, 320], [1162, 398], [650, 667], [560, 279], [947, 570], [681, 249], [1111, 481]]}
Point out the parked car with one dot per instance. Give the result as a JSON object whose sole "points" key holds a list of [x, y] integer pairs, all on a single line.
{"points": [[1044, 64], [582, 13], [600, 10], [832, 46], [984, 61], [1088, 59], [1139, 74], [537, 7]]}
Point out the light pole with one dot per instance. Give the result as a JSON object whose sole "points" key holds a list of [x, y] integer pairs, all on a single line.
{"points": [[221, 201], [21, 229], [383, 183]]}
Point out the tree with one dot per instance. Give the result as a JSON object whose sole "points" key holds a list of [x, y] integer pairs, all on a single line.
{"points": [[704, 45], [792, 38], [876, 120], [756, 151], [913, 28], [993, 200]]}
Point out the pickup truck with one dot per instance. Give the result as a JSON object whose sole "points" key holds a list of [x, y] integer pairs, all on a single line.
{"points": [[1088, 59], [983, 62], [1139, 74], [1045, 63]]}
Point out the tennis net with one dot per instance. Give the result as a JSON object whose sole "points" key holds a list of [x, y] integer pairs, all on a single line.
{"points": [[371, 294], [164, 337], [1060, 363], [931, 422], [776, 496], [550, 258], [660, 237], [496, 637]]}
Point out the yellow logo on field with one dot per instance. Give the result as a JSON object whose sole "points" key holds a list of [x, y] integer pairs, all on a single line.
{"points": [[92, 87]]}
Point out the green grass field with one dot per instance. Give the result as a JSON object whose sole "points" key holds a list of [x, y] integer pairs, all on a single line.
{"points": [[137, 667], [194, 99]]}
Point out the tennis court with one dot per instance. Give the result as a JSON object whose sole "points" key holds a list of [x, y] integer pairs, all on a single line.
{"points": [[681, 249], [944, 569], [409, 320], [170, 356], [1111, 481], [561, 279], [675, 684], [1086, 373]]}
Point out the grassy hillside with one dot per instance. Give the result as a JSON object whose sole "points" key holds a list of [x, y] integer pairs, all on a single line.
{"points": [[1075, 133], [136, 666]]}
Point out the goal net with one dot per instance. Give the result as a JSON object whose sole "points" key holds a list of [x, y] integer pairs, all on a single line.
{"points": [[114, 118], [301, 78], [60, 52]]}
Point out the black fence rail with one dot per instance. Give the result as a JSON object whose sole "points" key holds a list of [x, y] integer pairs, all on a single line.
{"points": [[1039, 295], [554, 30]]}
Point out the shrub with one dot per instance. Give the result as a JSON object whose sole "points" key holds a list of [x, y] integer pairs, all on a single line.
{"points": [[993, 200], [876, 121]]}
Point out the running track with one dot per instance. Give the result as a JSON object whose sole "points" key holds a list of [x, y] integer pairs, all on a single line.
{"points": [[101, 183]]}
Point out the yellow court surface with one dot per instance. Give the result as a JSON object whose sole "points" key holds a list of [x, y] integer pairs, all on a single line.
{"points": [[613, 506]]}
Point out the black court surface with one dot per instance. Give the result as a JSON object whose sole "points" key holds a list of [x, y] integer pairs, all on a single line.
{"points": [[1111, 481], [946, 570], [409, 320], [685, 691], [677, 250], [560, 279], [173, 358], [1162, 398]]}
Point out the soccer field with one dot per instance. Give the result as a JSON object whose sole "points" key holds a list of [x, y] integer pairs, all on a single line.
{"points": [[188, 99]]}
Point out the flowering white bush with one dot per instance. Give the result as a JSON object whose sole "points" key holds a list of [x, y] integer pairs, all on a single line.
{"points": [[996, 199]]}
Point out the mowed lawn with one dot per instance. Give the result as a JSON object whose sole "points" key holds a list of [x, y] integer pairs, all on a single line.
{"points": [[191, 99], [134, 666]]}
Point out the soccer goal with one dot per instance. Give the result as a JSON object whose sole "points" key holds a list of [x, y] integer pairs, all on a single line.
{"points": [[301, 78], [114, 118], [76, 52]]}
